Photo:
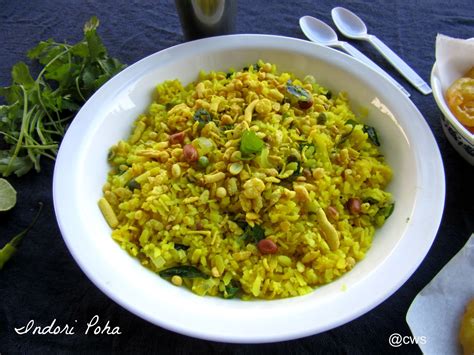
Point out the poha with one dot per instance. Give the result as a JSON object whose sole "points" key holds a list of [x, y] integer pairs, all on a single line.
{"points": [[250, 184]]}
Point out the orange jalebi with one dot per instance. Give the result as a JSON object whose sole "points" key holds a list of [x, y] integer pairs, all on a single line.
{"points": [[460, 99], [466, 333]]}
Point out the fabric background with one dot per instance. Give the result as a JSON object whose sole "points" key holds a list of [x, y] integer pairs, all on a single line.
{"points": [[42, 282]]}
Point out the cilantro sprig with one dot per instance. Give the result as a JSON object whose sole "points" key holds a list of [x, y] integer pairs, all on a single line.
{"points": [[37, 111]]}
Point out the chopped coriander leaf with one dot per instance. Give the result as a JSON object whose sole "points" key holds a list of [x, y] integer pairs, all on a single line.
{"points": [[328, 94], [388, 210], [179, 246], [351, 122], [255, 67], [227, 127], [370, 200], [292, 164], [251, 234], [202, 116], [242, 224], [307, 148], [232, 289], [383, 214]]}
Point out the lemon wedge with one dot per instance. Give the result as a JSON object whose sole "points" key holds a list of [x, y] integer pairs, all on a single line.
{"points": [[7, 195]]}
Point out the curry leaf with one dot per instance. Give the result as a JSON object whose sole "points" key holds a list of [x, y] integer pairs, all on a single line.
{"points": [[185, 271], [297, 91], [372, 133]]}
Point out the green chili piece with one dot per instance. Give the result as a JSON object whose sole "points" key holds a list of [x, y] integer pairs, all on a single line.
{"points": [[250, 143], [11, 247]]}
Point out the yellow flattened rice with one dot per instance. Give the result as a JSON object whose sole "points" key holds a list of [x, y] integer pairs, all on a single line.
{"points": [[251, 184]]}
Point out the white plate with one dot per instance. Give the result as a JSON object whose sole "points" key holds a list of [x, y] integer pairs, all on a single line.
{"points": [[398, 248]]}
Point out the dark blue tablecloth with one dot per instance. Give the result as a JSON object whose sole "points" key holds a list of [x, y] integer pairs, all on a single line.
{"points": [[43, 282]]}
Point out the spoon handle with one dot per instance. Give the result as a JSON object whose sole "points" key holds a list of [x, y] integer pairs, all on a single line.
{"points": [[363, 58], [400, 65]]}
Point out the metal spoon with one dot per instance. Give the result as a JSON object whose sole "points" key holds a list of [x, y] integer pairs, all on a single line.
{"points": [[352, 26], [319, 32]]}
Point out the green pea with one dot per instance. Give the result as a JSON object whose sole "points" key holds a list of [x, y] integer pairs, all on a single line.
{"points": [[322, 118], [203, 161]]}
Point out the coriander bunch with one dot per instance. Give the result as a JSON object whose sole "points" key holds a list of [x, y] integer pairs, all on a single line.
{"points": [[38, 111]]}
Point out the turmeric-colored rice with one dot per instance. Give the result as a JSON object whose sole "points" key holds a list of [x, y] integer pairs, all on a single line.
{"points": [[216, 166]]}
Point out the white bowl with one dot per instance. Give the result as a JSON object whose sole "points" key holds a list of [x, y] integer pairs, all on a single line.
{"points": [[398, 248], [460, 138]]}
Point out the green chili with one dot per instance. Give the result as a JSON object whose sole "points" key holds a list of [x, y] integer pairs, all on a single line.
{"points": [[11, 247]]}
